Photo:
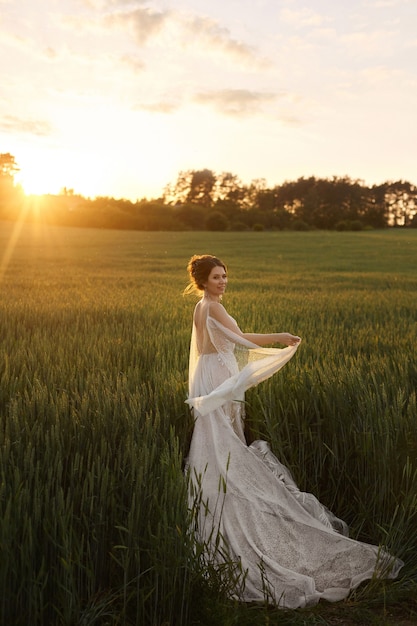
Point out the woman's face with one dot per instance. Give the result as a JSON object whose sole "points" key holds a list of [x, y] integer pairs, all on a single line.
{"points": [[216, 282]]}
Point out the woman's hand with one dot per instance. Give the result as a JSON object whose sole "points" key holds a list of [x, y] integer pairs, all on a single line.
{"points": [[288, 339]]}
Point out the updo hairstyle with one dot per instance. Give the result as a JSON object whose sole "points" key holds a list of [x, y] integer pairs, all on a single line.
{"points": [[199, 268]]}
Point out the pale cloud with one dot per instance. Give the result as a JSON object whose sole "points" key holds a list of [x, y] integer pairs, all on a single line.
{"points": [[50, 53], [185, 30], [123, 3], [80, 24], [383, 4], [209, 33], [235, 101], [165, 107], [324, 34], [229, 102], [14, 124], [303, 17], [105, 4], [133, 63], [16, 41], [144, 23], [370, 43], [383, 77]]}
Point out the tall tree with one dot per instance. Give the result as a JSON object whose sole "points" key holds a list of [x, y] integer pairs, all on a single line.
{"points": [[201, 188], [10, 195], [376, 210], [401, 199], [230, 190], [8, 167], [177, 193], [192, 187]]}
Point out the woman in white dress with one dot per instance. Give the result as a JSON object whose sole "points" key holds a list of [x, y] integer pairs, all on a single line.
{"points": [[291, 549]]}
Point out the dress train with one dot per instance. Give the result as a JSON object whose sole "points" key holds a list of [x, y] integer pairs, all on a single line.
{"points": [[291, 548]]}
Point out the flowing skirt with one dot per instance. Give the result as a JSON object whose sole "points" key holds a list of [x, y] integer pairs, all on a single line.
{"points": [[292, 549]]}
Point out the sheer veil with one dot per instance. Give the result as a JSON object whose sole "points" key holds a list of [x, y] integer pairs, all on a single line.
{"points": [[255, 364]]}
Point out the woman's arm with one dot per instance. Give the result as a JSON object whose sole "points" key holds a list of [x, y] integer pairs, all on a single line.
{"points": [[260, 339]]}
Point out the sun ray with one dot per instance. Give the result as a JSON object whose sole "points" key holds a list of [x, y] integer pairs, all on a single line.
{"points": [[14, 237]]}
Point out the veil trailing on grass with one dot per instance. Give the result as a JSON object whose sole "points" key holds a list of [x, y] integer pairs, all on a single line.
{"points": [[291, 549]]}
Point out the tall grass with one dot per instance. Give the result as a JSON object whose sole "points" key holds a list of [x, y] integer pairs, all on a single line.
{"points": [[94, 524]]}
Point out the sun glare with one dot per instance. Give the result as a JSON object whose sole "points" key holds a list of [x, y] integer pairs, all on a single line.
{"points": [[8, 251], [32, 186], [93, 169], [35, 177]]}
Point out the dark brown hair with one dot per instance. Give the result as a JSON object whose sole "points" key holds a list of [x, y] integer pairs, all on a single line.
{"points": [[199, 268]]}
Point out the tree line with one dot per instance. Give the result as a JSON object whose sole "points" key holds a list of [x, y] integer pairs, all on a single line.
{"points": [[204, 200]]}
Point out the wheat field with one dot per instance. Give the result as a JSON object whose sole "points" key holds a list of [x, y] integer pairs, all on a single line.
{"points": [[94, 524]]}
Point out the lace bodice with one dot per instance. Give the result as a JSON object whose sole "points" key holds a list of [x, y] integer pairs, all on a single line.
{"points": [[247, 363]]}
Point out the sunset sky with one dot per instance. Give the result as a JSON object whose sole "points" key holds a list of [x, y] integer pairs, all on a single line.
{"points": [[116, 97]]}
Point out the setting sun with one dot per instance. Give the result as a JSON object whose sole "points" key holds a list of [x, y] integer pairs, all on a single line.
{"points": [[125, 161], [35, 181], [49, 171]]}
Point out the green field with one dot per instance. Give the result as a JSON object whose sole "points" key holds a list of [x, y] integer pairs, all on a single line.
{"points": [[94, 346]]}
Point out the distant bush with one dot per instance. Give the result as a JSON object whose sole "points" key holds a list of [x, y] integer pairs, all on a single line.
{"points": [[344, 225], [356, 225], [239, 226], [216, 221], [300, 225]]}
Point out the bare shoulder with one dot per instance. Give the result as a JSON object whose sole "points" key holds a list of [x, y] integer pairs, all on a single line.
{"points": [[218, 311]]}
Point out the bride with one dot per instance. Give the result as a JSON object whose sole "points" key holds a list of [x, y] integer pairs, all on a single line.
{"points": [[292, 550]]}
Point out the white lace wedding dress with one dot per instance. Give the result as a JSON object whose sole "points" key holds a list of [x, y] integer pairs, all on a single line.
{"points": [[292, 549]]}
